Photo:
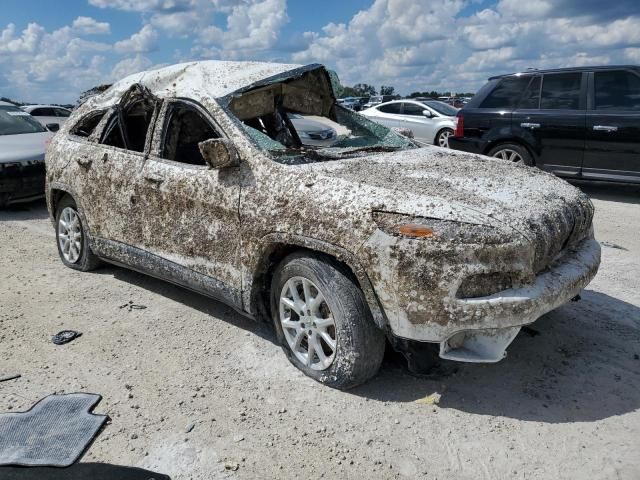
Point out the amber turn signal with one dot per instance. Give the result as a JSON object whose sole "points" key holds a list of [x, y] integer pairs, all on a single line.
{"points": [[415, 230]]}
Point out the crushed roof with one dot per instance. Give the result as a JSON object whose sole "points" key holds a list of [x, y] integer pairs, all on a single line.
{"points": [[209, 78]]}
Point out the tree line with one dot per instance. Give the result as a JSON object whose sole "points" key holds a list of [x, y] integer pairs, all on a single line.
{"points": [[368, 90]]}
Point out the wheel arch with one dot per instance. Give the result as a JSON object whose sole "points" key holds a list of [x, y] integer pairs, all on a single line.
{"points": [[55, 192], [276, 247]]}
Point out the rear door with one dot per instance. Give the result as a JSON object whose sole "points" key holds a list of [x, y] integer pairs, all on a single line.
{"points": [[613, 126], [554, 124]]}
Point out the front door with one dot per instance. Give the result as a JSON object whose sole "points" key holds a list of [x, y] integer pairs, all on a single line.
{"points": [[191, 218], [421, 126], [613, 127]]}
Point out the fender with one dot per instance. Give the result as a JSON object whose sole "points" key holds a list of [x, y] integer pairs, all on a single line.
{"points": [[268, 244]]}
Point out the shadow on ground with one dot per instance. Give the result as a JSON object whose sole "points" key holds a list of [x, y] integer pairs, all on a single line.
{"points": [[191, 299], [36, 210], [613, 192], [580, 362], [80, 471]]}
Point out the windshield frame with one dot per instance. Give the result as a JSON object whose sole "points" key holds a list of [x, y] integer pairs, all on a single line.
{"points": [[23, 123]]}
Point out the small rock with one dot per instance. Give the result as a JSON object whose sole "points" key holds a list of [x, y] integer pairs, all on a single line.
{"points": [[231, 466], [189, 428], [238, 438]]}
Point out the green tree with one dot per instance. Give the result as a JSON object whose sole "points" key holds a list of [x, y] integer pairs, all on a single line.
{"points": [[387, 90]]}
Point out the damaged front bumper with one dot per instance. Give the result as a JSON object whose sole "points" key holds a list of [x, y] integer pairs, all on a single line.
{"points": [[21, 181], [480, 329]]}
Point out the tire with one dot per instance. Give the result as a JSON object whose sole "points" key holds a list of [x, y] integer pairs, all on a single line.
{"points": [[358, 344], [512, 152], [442, 138], [81, 257]]}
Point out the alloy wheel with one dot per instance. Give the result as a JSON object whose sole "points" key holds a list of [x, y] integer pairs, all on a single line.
{"points": [[508, 155], [70, 235], [443, 139], [307, 323]]}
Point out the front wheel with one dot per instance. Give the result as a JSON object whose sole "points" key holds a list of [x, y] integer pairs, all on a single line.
{"points": [[323, 322], [442, 138]]}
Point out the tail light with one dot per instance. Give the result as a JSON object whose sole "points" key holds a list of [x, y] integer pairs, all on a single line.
{"points": [[459, 131]]}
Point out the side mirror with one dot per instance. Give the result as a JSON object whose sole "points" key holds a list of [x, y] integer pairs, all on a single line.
{"points": [[219, 153], [53, 127], [427, 113]]}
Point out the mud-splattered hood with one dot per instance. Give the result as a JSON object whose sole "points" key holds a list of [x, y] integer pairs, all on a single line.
{"points": [[435, 183]]}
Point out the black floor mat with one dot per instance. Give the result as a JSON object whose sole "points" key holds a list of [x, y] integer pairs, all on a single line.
{"points": [[54, 432]]}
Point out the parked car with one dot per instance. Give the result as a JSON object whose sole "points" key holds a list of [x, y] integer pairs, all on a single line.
{"points": [[431, 121], [48, 115], [377, 100], [352, 103], [192, 173], [579, 122], [312, 132], [22, 144]]}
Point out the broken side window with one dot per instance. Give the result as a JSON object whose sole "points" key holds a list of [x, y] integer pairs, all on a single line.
{"points": [[137, 118], [86, 126], [113, 133], [185, 128]]}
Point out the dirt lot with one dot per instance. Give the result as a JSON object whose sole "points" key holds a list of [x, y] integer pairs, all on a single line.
{"points": [[191, 386]]}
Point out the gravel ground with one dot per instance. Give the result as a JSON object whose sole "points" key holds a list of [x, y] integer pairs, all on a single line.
{"points": [[194, 390]]}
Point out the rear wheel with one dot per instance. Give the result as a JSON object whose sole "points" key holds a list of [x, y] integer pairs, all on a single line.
{"points": [[72, 239], [442, 138], [323, 322], [512, 152]]}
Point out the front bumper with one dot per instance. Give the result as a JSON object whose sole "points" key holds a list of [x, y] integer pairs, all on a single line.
{"points": [[21, 181], [480, 329]]}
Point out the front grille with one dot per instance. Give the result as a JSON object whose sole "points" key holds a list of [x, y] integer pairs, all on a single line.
{"points": [[22, 179]]}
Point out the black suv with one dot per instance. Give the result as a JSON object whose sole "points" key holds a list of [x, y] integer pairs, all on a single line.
{"points": [[575, 122]]}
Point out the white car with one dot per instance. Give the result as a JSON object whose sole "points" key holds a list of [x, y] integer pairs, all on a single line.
{"points": [[312, 132], [431, 121], [48, 114], [22, 144]]}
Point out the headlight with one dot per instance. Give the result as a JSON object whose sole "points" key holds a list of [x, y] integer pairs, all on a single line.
{"points": [[434, 229], [304, 135]]}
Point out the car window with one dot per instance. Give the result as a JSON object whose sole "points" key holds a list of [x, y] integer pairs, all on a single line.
{"points": [[113, 135], [507, 93], [88, 123], [412, 109], [43, 112], [617, 90], [61, 112], [531, 97], [14, 121], [561, 91], [185, 128], [390, 108], [441, 107]]}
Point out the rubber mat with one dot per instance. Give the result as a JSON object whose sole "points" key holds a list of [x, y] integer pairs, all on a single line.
{"points": [[55, 432]]}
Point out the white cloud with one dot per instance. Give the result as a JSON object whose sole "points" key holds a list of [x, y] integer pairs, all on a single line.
{"points": [[90, 26], [128, 66], [143, 41]]}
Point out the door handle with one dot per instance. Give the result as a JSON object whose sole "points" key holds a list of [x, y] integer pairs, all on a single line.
{"points": [[532, 126], [84, 160], [150, 177], [605, 128]]}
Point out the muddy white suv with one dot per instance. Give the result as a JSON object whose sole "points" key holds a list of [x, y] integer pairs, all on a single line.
{"points": [[195, 173]]}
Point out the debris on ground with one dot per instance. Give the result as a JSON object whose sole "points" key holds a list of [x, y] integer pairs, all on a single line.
{"points": [[132, 306], [432, 399], [613, 245], [231, 466], [5, 378], [65, 336]]}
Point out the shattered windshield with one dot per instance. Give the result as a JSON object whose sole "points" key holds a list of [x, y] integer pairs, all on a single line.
{"points": [[298, 121]]}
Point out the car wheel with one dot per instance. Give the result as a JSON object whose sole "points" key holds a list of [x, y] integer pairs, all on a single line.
{"points": [[72, 239], [513, 153], [442, 138], [323, 322]]}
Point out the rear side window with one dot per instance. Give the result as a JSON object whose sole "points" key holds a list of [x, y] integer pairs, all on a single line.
{"points": [[507, 93], [412, 109], [61, 112], [561, 91], [531, 97], [617, 90], [86, 126], [113, 135], [43, 112], [390, 108]]}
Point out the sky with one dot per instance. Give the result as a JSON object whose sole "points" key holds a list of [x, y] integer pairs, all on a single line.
{"points": [[51, 51]]}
